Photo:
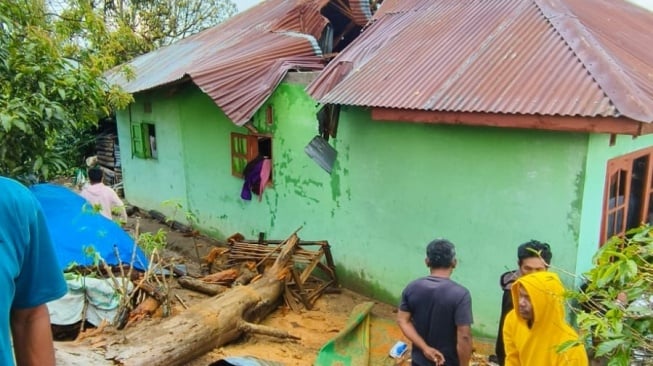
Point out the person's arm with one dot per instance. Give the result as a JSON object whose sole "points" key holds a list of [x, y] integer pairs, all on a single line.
{"points": [[32, 336], [464, 344], [512, 354], [407, 327], [464, 318]]}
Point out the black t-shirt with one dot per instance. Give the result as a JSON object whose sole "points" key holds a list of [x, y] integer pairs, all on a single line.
{"points": [[437, 306]]}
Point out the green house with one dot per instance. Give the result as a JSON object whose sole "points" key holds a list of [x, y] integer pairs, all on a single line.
{"points": [[489, 128]]}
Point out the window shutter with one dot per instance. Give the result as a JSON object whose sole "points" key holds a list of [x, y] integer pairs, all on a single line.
{"points": [[243, 149], [137, 140], [145, 133]]}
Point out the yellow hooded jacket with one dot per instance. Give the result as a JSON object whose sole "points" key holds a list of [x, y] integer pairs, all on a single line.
{"points": [[536, 345]]}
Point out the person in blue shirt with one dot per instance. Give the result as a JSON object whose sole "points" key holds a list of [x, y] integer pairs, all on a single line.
{"points": [[29, 277]]}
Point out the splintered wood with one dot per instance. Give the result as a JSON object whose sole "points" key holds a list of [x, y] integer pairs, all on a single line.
{"points": [[311, 269]]}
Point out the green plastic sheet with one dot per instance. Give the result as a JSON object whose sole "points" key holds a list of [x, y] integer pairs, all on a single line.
{"points": [[365, 340]]}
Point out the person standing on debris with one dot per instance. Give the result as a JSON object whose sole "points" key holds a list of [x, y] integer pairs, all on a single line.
{"points": [[532, 256], [29, 277], [435, 313], [99, 194], [535, 329]]}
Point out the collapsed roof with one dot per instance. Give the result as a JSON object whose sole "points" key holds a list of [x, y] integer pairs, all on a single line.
{"points": [[240, 62]]}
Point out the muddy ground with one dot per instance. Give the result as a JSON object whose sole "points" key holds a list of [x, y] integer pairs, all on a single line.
{"points": [[314, 327]]}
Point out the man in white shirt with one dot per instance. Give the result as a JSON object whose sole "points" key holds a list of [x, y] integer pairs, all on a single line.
{"points": [[97, 194]]}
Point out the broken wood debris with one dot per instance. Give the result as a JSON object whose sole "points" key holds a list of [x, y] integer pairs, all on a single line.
{"points": [[211, 323], [298, 273], [311, 268], [198, 285]]}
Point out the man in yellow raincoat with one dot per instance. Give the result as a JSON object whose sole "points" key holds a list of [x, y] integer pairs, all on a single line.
{"points": [[535, 328]]}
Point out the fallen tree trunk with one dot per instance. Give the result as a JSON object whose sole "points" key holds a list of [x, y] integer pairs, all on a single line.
{"points": [[204, 326], [198, 285]]}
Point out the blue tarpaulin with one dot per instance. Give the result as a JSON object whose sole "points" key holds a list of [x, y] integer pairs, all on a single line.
{"points": [[75, 228]]}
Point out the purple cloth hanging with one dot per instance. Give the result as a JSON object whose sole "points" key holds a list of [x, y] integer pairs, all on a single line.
{"points": [[252, 175]]}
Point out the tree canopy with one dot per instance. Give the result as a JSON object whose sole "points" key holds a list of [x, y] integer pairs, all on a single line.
{"points": [[123, 29], [52, 59], [42, 92]]}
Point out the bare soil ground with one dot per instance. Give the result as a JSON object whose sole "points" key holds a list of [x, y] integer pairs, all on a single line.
{"points": [[314, 327]]}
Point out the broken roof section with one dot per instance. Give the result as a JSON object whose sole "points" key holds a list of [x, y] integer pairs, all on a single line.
{"points": [[584, 58], [240, 62]]}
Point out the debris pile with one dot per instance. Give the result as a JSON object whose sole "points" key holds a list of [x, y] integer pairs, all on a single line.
{"points": [[256, 275], [311, 269]]}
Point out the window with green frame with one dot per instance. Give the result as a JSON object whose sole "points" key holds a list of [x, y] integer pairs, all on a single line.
{"points": [[144, 143]]}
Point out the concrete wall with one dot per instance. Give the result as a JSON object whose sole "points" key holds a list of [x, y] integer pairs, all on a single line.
{"points": [[395, 187]]}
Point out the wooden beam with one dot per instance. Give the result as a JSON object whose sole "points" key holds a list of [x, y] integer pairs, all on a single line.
{"points": [[311, 266], [300, 289], [250, 127], [622, 125]]}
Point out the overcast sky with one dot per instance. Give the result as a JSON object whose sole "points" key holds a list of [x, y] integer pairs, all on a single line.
{"points": [[645, 3], [244, 4]]}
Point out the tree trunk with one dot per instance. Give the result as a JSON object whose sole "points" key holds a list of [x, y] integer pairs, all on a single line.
{"points": [[204, 326], [198, 285]]}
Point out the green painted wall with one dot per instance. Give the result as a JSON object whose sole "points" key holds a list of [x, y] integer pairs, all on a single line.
{"points": [[149, 182], [485, 189], [599, 152], [396, 186]]}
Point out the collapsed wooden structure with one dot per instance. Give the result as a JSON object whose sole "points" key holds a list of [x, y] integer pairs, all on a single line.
{"points": [[312, 270]]}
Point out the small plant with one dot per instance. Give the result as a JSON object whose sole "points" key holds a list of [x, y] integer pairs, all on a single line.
{"points": [[190, 217], [616, 314], [150, 242]]}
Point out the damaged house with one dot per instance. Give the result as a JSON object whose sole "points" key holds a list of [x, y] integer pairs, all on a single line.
{"points": [[490, 123]]}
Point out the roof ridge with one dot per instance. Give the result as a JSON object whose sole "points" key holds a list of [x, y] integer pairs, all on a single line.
{"points": [[627, 97]]}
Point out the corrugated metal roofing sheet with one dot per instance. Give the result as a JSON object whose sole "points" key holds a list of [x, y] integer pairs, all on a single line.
{"points": [[240, 62], [549, 57]]}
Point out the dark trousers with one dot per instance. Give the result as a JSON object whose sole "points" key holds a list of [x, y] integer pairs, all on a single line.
{"points": [[506, 306]]}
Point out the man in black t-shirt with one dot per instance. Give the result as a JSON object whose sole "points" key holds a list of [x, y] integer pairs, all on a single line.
{"points": [[435, 313]]}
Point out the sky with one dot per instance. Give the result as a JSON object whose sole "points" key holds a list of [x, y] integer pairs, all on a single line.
{"points": [[644, 3], [244, 4]]}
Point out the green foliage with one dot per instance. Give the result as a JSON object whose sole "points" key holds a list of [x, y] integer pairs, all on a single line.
{"points": [[124, 29], [190, 217], [53, 57], [44, 91], [623, 271], [150, 242]]}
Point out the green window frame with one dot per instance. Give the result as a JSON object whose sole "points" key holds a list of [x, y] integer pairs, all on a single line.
{"points": [[140, 138]]}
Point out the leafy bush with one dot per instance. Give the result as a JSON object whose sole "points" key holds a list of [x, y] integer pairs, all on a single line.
{"points": [[617, 299]]}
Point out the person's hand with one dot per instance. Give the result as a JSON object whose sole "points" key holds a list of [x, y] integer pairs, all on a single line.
{"points": [[434, 356]]}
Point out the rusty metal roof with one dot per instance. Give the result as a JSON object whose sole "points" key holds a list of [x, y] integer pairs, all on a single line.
{"points": [[240, 62], [585, 58]]}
